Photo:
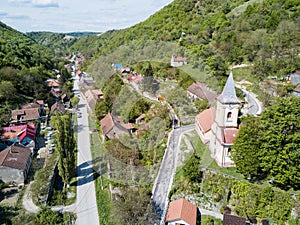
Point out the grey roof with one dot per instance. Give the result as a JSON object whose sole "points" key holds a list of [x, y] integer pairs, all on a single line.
{"points": [[228, 94], [295, 78]]}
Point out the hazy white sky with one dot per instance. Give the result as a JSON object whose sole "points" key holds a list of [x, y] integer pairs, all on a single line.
{"points": [[76, 15]]}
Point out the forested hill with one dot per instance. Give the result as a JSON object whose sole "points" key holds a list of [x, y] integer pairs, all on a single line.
{"points": [[260, 32], [19, 51], [25, 65]]}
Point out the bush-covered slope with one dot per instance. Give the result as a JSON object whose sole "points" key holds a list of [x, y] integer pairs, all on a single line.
{"points": [[265, 33]]}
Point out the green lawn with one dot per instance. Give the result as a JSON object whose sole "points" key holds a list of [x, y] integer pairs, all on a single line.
{"points": [[101, 183], [206, 159]]}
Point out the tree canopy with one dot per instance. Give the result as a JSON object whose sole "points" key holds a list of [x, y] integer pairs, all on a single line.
{"points": [[269, 146]]}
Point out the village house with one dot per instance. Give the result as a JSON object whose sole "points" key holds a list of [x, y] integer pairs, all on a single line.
{"points": [[181, 212], [178, 61], [15, 162], [113, 127], [233, 220], [57, 107], [225, 126], [199, 90], [116, 66], [92, 97], [203, 123], [22, 134], [25, 115]]}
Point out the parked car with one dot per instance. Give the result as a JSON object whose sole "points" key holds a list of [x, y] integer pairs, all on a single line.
{"points": [[50, 150]]}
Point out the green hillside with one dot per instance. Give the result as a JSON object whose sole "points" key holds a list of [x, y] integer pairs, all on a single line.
{"points": [[19, 51], [24, 67], [221, 33]]}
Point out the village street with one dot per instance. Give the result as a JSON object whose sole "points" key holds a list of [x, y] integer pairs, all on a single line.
{"points": [[86, 205]]}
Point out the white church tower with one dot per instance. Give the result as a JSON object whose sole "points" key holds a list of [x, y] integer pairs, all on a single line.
{"points": [[225, 127]]}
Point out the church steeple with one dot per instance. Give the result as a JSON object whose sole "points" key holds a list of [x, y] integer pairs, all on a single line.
{"points": [[228, 95]]}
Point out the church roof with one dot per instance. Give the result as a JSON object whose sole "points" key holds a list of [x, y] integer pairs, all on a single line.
{"points": [[206, 118], [228, 95]]}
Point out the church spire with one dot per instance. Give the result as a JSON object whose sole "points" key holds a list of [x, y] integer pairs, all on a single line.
{"points": [[228, 94]]}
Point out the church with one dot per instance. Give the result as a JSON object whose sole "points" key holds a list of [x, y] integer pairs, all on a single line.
{"points": [[224, 126]]}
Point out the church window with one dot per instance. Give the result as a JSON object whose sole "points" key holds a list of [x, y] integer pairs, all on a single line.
{"points": [[228, 151], [229, 116]]}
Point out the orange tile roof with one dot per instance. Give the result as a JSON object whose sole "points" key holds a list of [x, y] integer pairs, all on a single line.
{"points": [[107, 124], [206, 118], [182, 209], [109, 121]]}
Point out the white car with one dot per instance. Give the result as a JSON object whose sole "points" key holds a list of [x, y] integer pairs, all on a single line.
{"points": [[50, 150]]}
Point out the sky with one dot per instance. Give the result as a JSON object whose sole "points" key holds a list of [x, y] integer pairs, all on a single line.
{"points": [[76, 15]]}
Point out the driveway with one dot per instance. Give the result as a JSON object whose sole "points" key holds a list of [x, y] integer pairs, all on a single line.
{"points": [[166, 173]]}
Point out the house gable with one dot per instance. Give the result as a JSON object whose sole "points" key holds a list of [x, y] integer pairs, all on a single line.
{"points": [[181, 210]]}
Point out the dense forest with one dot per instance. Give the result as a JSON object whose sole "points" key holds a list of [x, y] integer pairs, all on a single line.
{"points": [[25, 65]]}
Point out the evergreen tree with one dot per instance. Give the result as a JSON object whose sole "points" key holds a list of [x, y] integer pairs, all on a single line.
{"points": [[65, 146]]}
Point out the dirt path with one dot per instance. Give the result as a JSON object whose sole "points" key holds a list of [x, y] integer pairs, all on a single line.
{"points": [[27, 203]]}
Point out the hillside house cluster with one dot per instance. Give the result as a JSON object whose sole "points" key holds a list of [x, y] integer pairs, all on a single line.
{"points": [[18, 142], [75, 60]]}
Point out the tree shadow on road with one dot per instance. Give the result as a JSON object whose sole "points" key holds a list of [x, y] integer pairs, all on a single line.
{"points": [[87, 172]]}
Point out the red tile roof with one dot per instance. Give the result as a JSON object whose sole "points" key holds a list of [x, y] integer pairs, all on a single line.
{"points": [[229, 135], [107, 124], [40, 102], [15, 156], [206, 118], [182, 209], [109, 121], [179, 59], [201, 91], [21, 131], [137, 79], [196, 90], [233, 220]]}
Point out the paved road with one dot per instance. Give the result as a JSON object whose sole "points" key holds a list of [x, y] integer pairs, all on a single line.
{"points": [[86, 206], [254, 106], [211, 213], [165, 177]]}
